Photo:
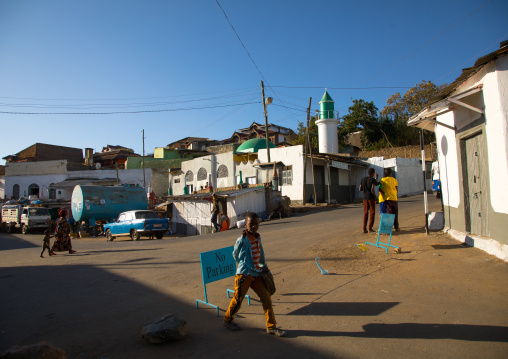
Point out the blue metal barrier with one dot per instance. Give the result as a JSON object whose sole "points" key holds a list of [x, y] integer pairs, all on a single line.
{"points": [[385, 226]]}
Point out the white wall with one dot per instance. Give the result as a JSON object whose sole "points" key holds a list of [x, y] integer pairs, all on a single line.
{"points": [[2, 187], [43, 181], [290, 156], [409, 176], [253, 201], [195, 213], [495, 96], [408, 172], [198, 213], [496, 112], [134, 176], [448, 162], [211, 164]]}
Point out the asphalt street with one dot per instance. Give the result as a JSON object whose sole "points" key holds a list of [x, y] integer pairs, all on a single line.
{"points": [[437, 298]]}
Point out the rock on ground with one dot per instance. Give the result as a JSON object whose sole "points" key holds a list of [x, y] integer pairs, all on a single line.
{"points": [[42, 350], [164, 329]]}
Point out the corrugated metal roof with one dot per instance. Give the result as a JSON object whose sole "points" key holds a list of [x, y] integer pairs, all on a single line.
{"points": [[208, 196], [468, 72], [73, 182]]}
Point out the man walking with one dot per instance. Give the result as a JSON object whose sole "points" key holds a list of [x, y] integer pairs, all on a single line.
{"points": [[369, 198], [389, 188]]}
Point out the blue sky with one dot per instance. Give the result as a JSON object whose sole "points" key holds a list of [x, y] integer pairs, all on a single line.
{"points": [[182, 61]]}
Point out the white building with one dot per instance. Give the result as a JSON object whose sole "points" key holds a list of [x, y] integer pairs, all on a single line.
{"points": [[470, 119], [191, 215], [56, 179], [334, 175], [407, 171]]}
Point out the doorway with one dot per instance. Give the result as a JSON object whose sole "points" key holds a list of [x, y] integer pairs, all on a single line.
{"points": [[475, 185]]}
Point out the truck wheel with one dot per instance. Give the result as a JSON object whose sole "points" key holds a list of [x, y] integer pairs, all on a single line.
{"points": [[10, 228], [24, 229], [135, 235], [109, 237], [159, 235]]}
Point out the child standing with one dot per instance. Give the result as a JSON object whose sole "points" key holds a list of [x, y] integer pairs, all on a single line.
{"points": [[250, 260], [45, 243]]}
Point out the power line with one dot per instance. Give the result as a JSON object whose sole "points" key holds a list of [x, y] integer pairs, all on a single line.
{"points": [[91, 106], [125, 99], [125, 112], [428, 42], [248, 53], [241, 42], [345, 88], [473, 58]]}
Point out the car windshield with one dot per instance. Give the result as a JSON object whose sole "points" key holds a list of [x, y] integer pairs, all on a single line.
{"points": [[146, 214], [38, 212]]}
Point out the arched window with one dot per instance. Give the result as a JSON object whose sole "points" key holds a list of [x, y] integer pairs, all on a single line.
{"points": [[189, 176], [33, 190], [222, 171], [202, 174], [15, 191]]}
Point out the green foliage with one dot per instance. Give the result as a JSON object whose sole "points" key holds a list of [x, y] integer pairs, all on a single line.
{"points": [[363, 116], [400, 108], [313, 134], [380, 129]]}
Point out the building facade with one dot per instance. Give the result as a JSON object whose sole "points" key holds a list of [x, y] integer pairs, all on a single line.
{"points": [[470, 119]]}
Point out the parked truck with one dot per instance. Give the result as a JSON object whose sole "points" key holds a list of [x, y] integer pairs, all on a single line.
{"points": [[25, 218], [105, 203]]}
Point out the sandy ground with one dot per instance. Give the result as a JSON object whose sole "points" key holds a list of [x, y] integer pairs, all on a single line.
{"points": [[437, 298]]}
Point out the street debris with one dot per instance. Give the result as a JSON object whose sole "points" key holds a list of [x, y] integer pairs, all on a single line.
{"points": [[323, 271], [164, 329]]}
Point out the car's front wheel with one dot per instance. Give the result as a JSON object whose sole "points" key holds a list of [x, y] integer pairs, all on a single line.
{"points": [[109, 237], [135, 235]]}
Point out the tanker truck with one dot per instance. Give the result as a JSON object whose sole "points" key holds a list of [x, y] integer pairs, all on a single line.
{"points": [[105, 203]]}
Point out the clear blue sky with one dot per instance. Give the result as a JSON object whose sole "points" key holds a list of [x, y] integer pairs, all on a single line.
{"points": [[73, 56]]}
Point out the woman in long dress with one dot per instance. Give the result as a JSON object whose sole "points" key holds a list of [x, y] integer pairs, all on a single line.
{"points": [[62, 234]]}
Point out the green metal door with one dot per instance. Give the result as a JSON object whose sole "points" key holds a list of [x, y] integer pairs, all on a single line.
{"points": [[475, 188]]}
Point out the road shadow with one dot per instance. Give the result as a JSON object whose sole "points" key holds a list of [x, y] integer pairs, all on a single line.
{"points": [[450, 246], [10, 242], [279, 221], [344, 308], [91, 312], [465, 332]]}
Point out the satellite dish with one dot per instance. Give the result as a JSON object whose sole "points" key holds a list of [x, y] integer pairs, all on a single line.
{"points": [[98, 166]]}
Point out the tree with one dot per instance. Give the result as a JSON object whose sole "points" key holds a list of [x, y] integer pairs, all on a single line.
{"points": [[400, 108], [363, 116], [313, 134]]}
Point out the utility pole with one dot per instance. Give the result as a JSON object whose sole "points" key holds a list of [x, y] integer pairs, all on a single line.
{"points": [[422, 148], [143, 160], [311, 160], [266, 121], [305, 155]]}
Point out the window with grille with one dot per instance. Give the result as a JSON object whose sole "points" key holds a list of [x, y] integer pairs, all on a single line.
{"points": [[222, 171], [202, 174], [287, 175]]}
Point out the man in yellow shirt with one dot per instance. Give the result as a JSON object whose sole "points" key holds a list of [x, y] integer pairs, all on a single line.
{"points": [[389, 188]]}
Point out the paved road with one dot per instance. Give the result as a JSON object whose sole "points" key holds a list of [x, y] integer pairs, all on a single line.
{"points": [[435, 299]]}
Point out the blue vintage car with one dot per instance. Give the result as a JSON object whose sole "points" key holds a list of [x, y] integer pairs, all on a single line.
{"points": [[137, 223]]}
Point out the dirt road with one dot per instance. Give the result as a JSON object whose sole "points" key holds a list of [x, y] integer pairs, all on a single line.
{"points": [[435, 299]]}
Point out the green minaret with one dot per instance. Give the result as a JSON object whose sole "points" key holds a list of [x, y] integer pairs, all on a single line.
{"points": [[327, 126], [326, 107]]}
